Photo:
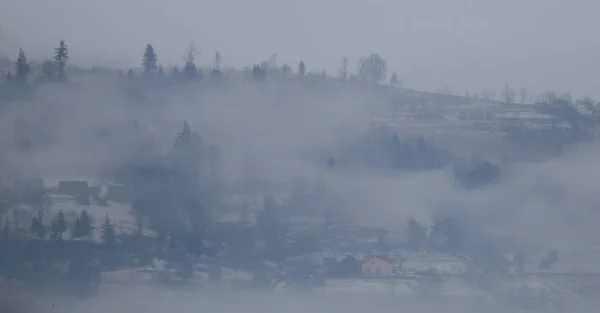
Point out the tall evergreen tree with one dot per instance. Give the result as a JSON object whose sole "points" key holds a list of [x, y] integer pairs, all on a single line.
{"points": [[130, 74], [8, 77], [61, 56], [301, 69], [149, 61], [108, 235], [83, 226], [37, 227], [59, 226], [22, 68], [189, 70], [394, 79]]}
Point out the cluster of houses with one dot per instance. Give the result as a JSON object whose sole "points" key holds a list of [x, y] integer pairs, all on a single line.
{"points": [[22, 189], [402, 264]]}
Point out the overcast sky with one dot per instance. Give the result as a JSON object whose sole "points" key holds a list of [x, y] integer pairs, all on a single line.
{"points": [[463, 44]]}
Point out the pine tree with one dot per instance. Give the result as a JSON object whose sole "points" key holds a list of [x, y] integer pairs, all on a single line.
{"points": [[8, 77], [83, 226], [259, 73], [37, 227], [22, 68], [59, 226], [149, 61], [301, 69], [394, 79], [108, 232], [130, 74], [189, 70], [161, 72], [61, 56]]}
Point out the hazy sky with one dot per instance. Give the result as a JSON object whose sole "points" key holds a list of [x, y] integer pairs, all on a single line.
{"points": [[463, 44]]}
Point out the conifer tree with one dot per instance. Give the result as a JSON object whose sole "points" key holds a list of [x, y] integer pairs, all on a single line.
{"points": [[22, 68], [149, 61], [301, 68], [8, 77], [59, 226], [130, 74], [37, 227], [108, 232], [394, 79], [83, 226], [61, 56]]}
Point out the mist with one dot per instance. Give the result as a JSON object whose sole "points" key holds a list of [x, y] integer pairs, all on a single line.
{"points": [[151, 163], [463, 44]]}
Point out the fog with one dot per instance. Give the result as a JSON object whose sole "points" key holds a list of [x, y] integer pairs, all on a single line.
{"points": [[462, 44], [285, 133], [191, 145]]}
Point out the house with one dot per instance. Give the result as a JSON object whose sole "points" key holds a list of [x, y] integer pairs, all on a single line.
{"points": [[377, 267], [73, 188], [113, 192]]}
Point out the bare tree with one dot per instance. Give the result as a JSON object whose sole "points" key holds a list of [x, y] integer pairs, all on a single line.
{"points": [[189, 70], [273, 61], [343, 71], [218, 58], [372, 68], [191, 53]]}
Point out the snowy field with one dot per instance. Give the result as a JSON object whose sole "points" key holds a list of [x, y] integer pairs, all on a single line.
{"points": [[161, 299]]}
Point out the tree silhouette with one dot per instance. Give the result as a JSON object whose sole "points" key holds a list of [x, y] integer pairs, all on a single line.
{"points": [[372, 68], [83, 226], [258, 73], [108, 235], [149, 61], [22, 68], [394, 79], [61, 56], [343, 72], [218, 59], [301, 69], [59, 226], [189, 69], [130, 74], [37, 227]]}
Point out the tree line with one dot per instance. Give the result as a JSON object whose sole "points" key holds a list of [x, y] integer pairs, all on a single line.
{"points": [[371, 68], [81, 228]]}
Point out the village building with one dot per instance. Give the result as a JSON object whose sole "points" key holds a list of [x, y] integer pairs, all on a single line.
{"points": [[377, 267]]}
